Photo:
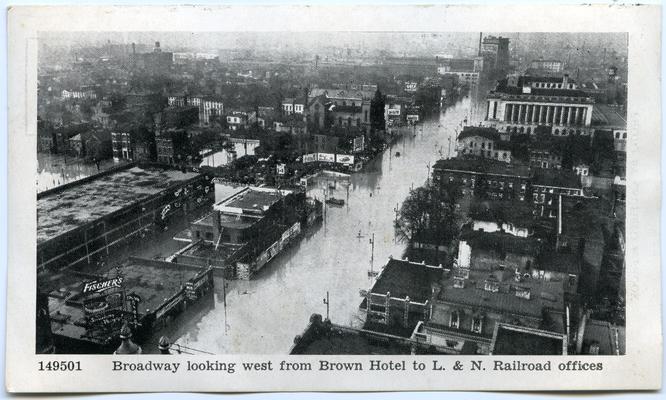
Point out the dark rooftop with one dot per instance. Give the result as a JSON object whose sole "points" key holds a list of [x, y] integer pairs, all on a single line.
{"points": [[517, 213], [479, 240], [556, 178], [516, 340], [404, 278], [568, 263], [487, 133]]}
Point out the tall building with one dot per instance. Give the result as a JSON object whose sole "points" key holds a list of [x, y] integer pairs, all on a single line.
{"points": [[521, 103], [495, 52]]}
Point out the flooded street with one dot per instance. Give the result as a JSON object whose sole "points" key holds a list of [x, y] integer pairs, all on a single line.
{"points": [[263, 315], [54, 170]]}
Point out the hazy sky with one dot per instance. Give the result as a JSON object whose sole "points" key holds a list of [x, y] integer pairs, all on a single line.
{"points": [[399, 42]]}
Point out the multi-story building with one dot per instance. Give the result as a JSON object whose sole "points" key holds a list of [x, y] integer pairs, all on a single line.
{"points": [[210, 107], [467, 306], [549, 185], [237, 120], [466, 70], [495, 52], [482, 142], [493, 179], [293, 106], [519, 104], [552, 66]]}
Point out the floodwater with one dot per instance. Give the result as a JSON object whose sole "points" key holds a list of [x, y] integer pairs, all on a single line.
{"points": [[54, 170], [262, 316]]}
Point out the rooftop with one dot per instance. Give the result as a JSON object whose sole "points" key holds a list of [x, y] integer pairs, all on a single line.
{"points": [[605, 115], [486, 133], [518, 340], [251, 200], [153, 284], [496, 241], [609, 339], [556, 178], [517, 213], [60, 211], [485, 166], [404, 278], [543, 294]]}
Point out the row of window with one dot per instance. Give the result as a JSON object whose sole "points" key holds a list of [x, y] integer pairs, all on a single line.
{"points": [[477, 322], [545, 85]]}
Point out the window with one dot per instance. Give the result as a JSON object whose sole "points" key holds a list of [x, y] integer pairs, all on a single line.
{"points": [[454, 322], [365, 113], [483, 145], [491, 286], [209, 235], [477, 324], [624, 135]]}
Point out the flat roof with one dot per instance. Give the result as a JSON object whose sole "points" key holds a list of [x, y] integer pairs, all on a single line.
{"points": [[526, 341], [153, 284], [252, 199], [543, 294], [68, 209], [405, 278]]}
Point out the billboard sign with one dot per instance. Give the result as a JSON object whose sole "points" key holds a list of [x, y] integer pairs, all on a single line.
{"points": [[410, 86], [413, 118], [308, 158], [281, 169], [344, 159], [326, 157], [99, 286], [392, 112], [359, 144]]}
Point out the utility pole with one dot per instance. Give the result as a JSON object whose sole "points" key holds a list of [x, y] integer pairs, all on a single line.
{"points": [[372, 272], [327, 302]]}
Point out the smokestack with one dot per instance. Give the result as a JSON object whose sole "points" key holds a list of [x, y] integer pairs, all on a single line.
{"points": [[480, 40], [133, 48]]}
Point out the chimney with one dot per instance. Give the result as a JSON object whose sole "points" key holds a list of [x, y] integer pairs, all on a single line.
{"points": [[133, 48], [480, 39]]}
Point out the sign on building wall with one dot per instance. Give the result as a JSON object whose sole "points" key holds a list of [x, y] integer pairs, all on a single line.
{"points": [[410, 86], [326, 157], [308, 158], [344, 159], [413, 118], [359, 144], [392, 112], [281, 169]]}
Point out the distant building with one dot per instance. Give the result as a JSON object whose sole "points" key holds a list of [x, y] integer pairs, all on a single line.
{"points": [[156, 61], [466, 70], [495, 52], [552, 66], [237, 120]]}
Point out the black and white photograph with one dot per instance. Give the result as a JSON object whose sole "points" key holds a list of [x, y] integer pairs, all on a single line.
{"points": [[337, 198], [331, 193]]}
